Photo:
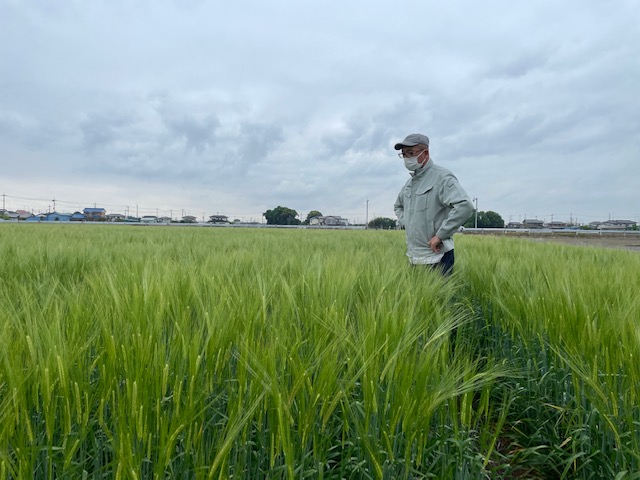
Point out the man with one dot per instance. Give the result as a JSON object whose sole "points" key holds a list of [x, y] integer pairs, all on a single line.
{"points": [[431, 206]]}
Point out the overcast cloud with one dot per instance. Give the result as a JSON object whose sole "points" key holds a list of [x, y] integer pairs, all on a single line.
{"points": [[237, 107]]}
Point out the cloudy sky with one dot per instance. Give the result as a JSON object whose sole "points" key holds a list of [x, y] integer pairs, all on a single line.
{"points": [[236, 107]]}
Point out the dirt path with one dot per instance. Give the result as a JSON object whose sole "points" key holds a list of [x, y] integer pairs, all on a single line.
{"points": [[622, 241]]}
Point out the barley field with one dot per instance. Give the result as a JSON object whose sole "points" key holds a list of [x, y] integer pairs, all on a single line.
{"points": [[204, 353]]}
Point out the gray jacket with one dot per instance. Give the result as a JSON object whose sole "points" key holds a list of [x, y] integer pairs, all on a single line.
{"points": [[432, 202]]}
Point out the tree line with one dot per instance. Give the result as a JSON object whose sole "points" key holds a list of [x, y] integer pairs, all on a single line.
{"points": [[288, 216]]}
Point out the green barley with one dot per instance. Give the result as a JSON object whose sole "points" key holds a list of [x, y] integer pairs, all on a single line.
{"points": [[192, 352]]}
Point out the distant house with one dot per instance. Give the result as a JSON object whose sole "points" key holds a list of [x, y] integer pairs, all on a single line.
{"points": [[218, 219], [114, 217], [94, 213], [58, 217], [17, 215], [40, 217], [557, 225], [23, 214], [189, 219], [78, 217], [514, 225], [149, 219], [617, 225], [336, 221], [329, 220], [532, 223]]}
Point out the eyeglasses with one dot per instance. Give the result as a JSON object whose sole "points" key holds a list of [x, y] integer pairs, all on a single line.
{"points": [[410, 154]]}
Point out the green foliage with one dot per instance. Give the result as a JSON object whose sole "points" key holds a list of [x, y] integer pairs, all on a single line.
{"points": [[382, 222], [566, 318], [471, 223], [488, 219], [310, 215], [191, 352], [204, 353], [281, 216]]}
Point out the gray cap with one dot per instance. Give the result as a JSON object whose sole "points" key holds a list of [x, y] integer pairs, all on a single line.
{"points": [[413, 140]]}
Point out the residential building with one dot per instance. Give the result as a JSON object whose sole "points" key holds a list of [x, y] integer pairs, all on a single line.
{"points": [[617, 225], [329, 221], [532, 223], [555, 225], [57, 217], [94, 213], [23, 214], [334, 220], [218, 219]]}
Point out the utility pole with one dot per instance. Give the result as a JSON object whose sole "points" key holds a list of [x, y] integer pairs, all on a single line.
{"points": [[54, 204], [475, 199], [366, 216], [3, 209]]}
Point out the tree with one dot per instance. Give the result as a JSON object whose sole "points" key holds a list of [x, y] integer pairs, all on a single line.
{"points": [[382, 222], [281, 216], [488, 219], [494, 220], [471, 223], [310, 215]]}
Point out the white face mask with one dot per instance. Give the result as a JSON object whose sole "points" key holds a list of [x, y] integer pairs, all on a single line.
{"points": [[412, 163]]}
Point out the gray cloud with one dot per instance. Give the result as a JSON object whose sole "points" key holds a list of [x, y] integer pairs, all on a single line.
{"points": [[242, 107]]}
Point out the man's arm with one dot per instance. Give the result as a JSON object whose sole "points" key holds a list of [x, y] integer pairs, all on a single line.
{"points": [[461, 208], [398, 207]]}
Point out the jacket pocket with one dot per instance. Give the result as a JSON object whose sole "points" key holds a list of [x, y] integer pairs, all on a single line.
{"points": [[424, 234], [423, 198]]}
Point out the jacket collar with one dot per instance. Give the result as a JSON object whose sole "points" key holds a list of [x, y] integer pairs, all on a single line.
{"points": [[421, 171]]}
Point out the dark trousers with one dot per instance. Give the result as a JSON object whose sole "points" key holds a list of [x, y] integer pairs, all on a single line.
{"points": [[445, 266]]}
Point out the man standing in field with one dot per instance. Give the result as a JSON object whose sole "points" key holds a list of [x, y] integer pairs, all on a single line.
{"points": [[431, 206]]}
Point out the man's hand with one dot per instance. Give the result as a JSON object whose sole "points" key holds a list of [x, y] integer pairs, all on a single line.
{"points": [[435, 244]]}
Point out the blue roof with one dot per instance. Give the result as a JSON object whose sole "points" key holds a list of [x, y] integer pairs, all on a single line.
{"points": [[90, 210]]}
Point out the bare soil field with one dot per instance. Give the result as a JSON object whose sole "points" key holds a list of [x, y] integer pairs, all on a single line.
{"points": [[622, 240]]}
